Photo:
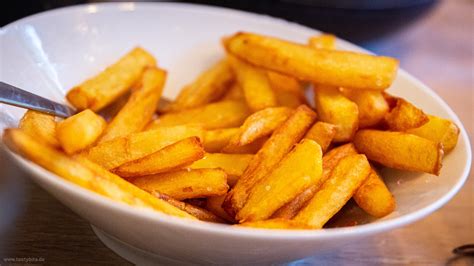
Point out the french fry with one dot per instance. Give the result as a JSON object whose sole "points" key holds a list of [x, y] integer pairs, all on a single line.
{"points": [[274, 149], [371, 104], [171, 157], [333, 107], [250, 148], [260, 124], [140, 107], [300, 168], [215, 140], [186, 184], [275, 224], [405, 116], [439, 130], [288, 90], [110, 84], [79, 131], [289, 99], [163, 104], [211, 116], [40, 126], [321, 66], [254, 82], [343, 182], [214, 205], [400, 150], [200, 213], [330, 160], [232, 164], [113, 153], [235, 92], [208, 87], [322, 41], [374, 197], [88, 176], [323, 133]]}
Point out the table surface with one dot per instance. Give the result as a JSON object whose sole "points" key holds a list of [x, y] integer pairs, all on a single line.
{"points": [[437, 49]]}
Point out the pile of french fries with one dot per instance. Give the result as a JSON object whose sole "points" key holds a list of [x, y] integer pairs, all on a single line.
{"points": [[241, 144]]}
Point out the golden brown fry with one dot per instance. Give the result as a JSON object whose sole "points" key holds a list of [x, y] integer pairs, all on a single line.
{"points": [[140, 107], [215, 140], [232, 164], [186, 184], [323, 133], [439, 130], [405, 116], [274, 149], [300, 168], [85, 174], [275, 224], [374, 197], [332, 107], [235, 92], [343, 182], [322, 41], [250, 148], [110, 84], [330, 160], [208, 87], [200, 213], [260, 124], [400, 150], [371, 104], [254, 82], [40, 126], [280, 82], [171, 157], [321, 66], [211, 116], [113, 153], [214, 205], [290, 99], [79, 131]]}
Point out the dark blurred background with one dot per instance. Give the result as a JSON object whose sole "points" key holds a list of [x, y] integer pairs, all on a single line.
{"points": [[359, 21]]}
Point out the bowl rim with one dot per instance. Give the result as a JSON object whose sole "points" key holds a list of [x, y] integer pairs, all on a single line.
{"points": [[238, 231]]}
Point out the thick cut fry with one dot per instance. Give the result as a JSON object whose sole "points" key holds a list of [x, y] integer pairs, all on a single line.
{"points": [[186, 184], [371, 104], [323, 133], [200, 213], [40, 126], [215, 140], [298, 170], [274, 149], [250, 148], [322, 41], [330, 160], [140, 107], [208, 87], [235, 92], [85, 174], [333, 107], [260, 124], [214, 205], [80, 131], [211, 116], [113, 153], [114, 81], [290, 99], [321, 66], [275, 224], [400, 150], [254, 82], [439, 130], [171, 157], [232, 164], [280, 82], [345, 179], [374, 197], [405, 116]]}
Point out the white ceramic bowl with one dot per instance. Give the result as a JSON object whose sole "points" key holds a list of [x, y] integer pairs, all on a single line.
{"points": [[50, 52]]}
